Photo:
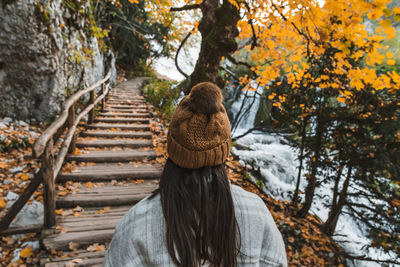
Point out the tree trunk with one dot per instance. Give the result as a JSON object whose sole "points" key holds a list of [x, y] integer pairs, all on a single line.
{"points": [[330, 224], [218, 30], [312, 181], [295, 198]]}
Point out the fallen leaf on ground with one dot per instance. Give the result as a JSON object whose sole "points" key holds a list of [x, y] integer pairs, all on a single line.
{"points": [[73, 246], [103, 210], [26, 252], [96, 247]]}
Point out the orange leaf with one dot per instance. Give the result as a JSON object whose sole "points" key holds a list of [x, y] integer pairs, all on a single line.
{"points": [[2, 203], [24, 177], [26, 252], [59, 211], [89, 185]]}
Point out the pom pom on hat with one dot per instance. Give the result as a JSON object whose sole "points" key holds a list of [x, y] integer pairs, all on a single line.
{"points": [[205, 98], [199, 134]]}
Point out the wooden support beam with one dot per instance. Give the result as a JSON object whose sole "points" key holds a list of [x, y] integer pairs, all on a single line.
{"points": [[21, 201], [34, 228], [103, 89], [91, 112], [71, 123], [49, 189]]}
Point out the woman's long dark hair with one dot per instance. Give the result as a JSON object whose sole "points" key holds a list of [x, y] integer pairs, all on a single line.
{"points": [[199, 213]]}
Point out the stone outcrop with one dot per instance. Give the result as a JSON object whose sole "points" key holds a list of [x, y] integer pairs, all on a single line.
{"points": [[46, 54]]}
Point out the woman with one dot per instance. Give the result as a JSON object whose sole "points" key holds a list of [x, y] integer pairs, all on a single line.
{"points": [[196, 217]]}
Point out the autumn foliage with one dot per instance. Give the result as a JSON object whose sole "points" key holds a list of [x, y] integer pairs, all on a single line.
{"points": [[329, 74]]}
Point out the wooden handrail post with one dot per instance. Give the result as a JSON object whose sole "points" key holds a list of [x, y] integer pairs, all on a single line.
{"points": [[103, 89], [91, 113], [49, 188], [71, 121]]}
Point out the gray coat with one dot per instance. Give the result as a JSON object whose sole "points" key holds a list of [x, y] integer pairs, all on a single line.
{"points": [[139, 239]]}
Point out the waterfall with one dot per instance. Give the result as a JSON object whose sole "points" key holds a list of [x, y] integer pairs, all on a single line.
{"points": [[245, 108]]}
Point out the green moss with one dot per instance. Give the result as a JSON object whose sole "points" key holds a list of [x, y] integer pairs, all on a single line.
{"points": [[163, 95]]}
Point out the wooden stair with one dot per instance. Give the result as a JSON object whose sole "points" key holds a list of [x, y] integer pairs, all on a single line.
{"points": [[112, 170]]}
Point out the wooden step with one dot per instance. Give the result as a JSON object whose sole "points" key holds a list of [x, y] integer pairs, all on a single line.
{"points": [[112, 156], [106, 195], [131, 120], [110, 171], [93, 214], [126, 110], [115, 142], [125, 102], [126, 106], [81, 257], [61, 241], [113, 134], [112, 114], [137, 127]]}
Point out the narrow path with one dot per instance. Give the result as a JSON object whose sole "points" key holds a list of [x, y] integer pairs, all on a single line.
{"points": [[111, 170]]}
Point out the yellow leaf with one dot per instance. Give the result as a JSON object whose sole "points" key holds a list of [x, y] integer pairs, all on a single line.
{"points": [[103, 210], [2, 203], [341, 99], [24, 177], [386, 23], [26, 252], [59, 211], [89, 185], [3, 165], [73, 246], [96, 247], [388, 12], [391, 62]]}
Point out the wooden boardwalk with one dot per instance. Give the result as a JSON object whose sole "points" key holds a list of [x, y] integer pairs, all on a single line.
{"points": [[114, 170]]}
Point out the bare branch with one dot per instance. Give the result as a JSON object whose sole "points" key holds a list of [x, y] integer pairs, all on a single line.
{"points": [[363, 258], [183, 8], [234, 61], [177, 53]]}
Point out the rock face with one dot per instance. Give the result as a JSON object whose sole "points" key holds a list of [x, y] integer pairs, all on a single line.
{"points": [[46, 54]]}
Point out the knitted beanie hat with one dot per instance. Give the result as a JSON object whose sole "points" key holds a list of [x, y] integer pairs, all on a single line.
{"points": [[199, 133]]}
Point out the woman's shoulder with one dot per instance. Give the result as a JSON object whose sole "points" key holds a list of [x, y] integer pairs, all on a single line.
{"points": [[146, 211], [243, 197]]}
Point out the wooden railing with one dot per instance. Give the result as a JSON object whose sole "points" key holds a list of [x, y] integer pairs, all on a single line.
{"points": [[50, 163]]}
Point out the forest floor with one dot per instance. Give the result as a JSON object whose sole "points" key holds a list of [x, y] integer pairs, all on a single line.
{"points": [[306, 245]]}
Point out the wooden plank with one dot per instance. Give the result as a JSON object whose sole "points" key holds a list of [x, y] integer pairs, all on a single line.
{"points": [[106, 172], [130, 115], [86, 262], [70, 255], [49, 189], [143, 120], [125, 110], [111, 134], [61, 241], [138, 127], [34, 228], [126, 106], [88, 225], [115, 142], [21, 201], [113, 156], [100, 200]]}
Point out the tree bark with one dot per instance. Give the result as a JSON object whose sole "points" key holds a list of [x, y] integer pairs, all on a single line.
{"points": [[218, 30], [312, 182], [330, 224], [295, 198]]}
